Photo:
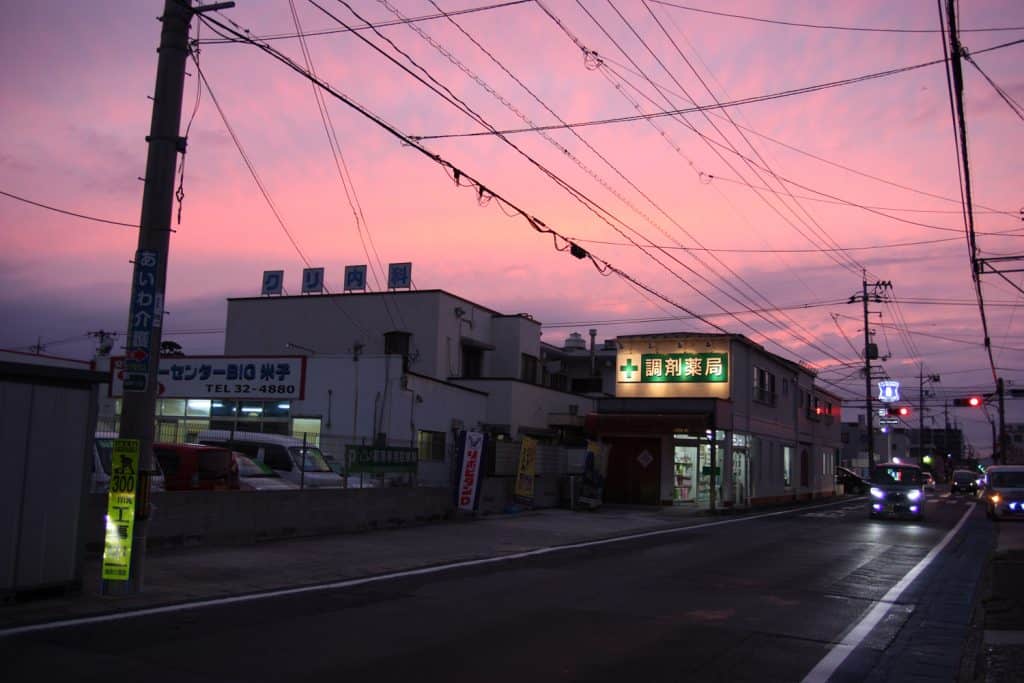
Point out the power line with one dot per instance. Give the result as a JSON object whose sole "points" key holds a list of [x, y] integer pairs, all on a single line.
{"points": [[602, 266], [593, 174], [347, 183], [740, 250], [375, 25], [68, 213], [831, 27]]}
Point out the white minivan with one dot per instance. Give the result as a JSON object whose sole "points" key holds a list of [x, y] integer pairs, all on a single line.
{"points": [[304, 466]]}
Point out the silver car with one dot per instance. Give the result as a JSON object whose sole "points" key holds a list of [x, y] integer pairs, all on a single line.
{"points": [[1004, 492]]}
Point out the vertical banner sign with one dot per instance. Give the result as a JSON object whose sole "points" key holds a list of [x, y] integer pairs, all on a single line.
{"points": [[124, 478], [470, 474], [595, 469], [146, 314], [527, 471]]}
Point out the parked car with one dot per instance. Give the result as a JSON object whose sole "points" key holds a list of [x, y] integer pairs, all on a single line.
{"points": [[851, 481], [964, 481], [897, 490], [193, 467], [102, 454], [256, 476], [1004, 491], [301, 465]]}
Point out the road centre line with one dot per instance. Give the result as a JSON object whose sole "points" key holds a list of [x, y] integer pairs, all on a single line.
{"points": [[824, 669], [349, 583]]}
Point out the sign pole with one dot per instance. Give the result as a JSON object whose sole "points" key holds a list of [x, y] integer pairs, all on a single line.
{"points": [[146, 308]]}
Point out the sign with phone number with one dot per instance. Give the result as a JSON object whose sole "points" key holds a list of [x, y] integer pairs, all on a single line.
{"points": [[272, 377]]}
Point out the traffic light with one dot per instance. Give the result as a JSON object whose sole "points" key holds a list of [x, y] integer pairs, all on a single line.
{"points": [[899, 411], [968, 402]]}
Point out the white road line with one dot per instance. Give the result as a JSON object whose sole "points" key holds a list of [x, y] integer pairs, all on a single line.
{"points": [[837, 655], [436, 569]]}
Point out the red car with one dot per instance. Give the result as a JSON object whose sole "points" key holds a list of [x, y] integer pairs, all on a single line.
{"points": [[191, 467]]}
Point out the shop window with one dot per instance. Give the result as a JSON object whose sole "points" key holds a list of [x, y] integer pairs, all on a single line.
{"points": [[174, 407], [223, 408], [308, 427], [198, 408], [277, 409], [431, 445]]}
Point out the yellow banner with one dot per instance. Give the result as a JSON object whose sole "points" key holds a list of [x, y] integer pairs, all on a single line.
{"points": [[527, 471], [124, 481]]}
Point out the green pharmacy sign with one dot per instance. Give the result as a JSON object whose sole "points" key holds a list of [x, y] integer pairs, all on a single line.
{"points": [[679, 367]]}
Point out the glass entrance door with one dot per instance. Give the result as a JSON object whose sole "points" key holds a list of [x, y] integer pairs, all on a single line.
{"points": [[684, 470]]}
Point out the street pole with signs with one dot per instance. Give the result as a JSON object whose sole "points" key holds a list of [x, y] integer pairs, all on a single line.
{"points": [[145, 319]]}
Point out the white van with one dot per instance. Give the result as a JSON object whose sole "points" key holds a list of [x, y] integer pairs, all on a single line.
{"points": [[305, 467]]}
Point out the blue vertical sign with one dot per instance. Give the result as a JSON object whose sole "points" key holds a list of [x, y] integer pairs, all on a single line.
{"points": [[146, 314]]}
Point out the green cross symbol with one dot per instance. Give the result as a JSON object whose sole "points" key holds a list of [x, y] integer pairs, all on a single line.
{"points": [[629, 368]]}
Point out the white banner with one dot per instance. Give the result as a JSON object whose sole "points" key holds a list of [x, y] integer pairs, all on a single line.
{"points": [[470, 474], [268, 378]]}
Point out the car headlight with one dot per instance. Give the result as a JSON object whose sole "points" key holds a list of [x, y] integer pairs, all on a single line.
{"points": [[914, 494], [995, 498], [877, 492]]}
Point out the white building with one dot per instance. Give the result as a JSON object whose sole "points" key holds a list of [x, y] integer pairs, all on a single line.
{"points": [[401, 369]]}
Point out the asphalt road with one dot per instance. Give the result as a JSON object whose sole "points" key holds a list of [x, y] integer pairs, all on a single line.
{"points": [[752, 598]]}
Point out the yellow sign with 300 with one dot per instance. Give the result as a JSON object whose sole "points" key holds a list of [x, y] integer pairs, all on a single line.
{"points": [[124, 482]]}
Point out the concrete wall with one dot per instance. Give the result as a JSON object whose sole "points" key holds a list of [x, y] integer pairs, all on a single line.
{"points": [[238, 517]]}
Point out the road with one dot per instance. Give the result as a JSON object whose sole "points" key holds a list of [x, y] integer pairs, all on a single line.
{"points": [[762, 597]]}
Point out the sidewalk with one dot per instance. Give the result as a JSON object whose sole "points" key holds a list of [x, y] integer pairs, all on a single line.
{"points": [[1001, 609], [205, 573]]}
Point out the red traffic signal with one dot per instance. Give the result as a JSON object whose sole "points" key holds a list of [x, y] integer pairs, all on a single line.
{"points": [[899, 411], [968, 402]]}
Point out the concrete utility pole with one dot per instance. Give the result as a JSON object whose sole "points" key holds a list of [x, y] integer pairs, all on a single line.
{"points": [[142, 350], [921, 399], [870, 353]]}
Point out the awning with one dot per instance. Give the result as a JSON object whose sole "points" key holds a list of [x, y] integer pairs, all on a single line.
{"points": [[476, 343]]}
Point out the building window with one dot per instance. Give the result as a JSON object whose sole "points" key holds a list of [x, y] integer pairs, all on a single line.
{"points": [[787, 464], [430, 445], [396, 343], [805, 468], [472, 362], [764, 386], [528, 368]]}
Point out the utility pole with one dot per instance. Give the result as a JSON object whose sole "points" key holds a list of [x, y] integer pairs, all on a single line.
{"points": [[921, 399], [1003, 437], [870, 354], [149, 277]]}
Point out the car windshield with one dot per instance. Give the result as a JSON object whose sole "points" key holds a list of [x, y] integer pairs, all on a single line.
{"points": [[1007, 479], [314, 460], [888, 474], [105, 447], [963, 476], [247, 467]]}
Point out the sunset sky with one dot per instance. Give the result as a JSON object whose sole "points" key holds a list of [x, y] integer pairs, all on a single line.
{"points": [[760, 218]]}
